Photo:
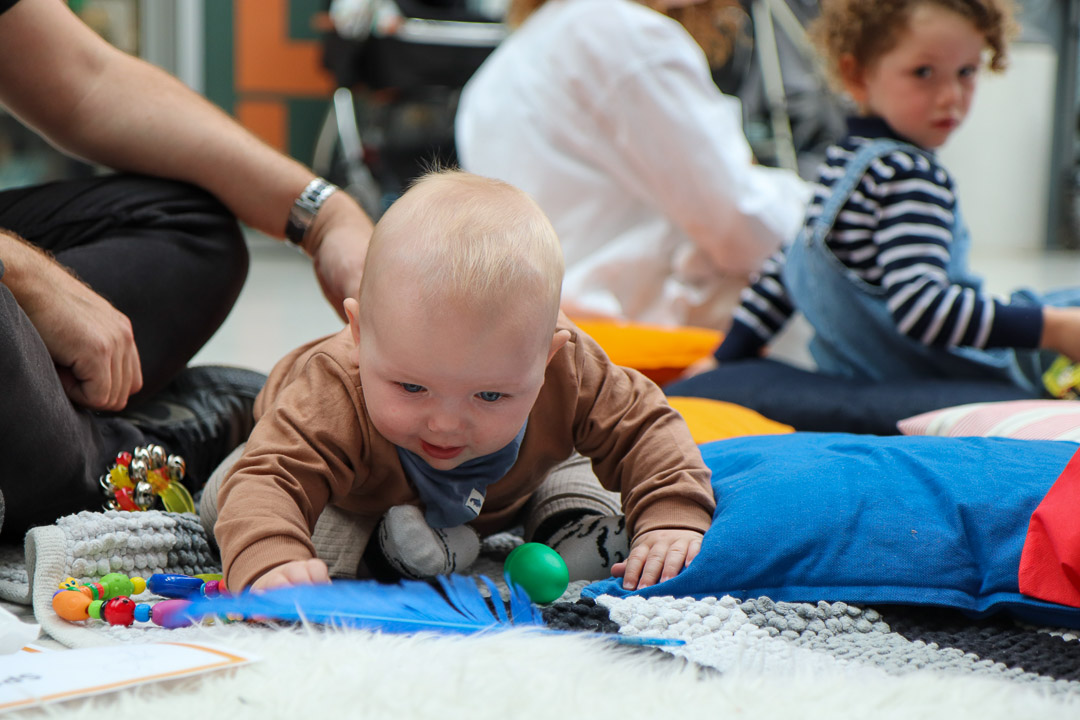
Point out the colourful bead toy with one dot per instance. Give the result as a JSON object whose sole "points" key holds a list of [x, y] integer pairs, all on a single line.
{"points": [[109, 598], [138, 479]]}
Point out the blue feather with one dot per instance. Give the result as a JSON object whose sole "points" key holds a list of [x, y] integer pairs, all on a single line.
{"points": [[456, 606]]}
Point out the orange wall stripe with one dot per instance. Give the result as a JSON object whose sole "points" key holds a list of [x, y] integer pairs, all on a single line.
{"points": [[267, 60], [268, 119]]}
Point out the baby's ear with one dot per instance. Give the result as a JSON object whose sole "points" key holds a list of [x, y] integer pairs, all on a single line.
{"points": [[352, 311], [560, 338]]}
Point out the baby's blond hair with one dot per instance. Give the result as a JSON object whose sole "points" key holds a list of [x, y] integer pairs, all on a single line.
{"points": [[467, 242]]}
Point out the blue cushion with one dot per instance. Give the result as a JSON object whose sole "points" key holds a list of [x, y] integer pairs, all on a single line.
{"points": [[872, 520]]}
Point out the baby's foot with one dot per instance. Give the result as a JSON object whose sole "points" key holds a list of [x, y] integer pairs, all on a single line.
{"points": [[417, 551], [590, 545]]}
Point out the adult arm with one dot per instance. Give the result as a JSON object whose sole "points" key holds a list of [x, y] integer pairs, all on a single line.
{"points": [[96, 102], [684, 140], [90, 341]]}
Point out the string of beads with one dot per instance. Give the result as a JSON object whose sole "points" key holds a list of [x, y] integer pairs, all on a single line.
{"points": [[109, 599]]}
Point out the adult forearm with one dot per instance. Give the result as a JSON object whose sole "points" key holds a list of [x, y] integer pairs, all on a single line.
{"points": [[26, 269], [138, 118], [94, 101]]}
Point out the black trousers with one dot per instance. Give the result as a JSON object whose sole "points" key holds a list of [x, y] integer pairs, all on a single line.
{"points": [[166, 254]]}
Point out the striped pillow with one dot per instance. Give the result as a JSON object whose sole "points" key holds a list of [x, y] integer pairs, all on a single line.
{"points": [[1020, 419]]}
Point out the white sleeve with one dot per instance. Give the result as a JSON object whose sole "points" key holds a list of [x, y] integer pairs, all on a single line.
{"points": [[683, 141]]}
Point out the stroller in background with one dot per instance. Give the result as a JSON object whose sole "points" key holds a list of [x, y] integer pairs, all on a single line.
{"points": [[790, 114], [399, 67]]}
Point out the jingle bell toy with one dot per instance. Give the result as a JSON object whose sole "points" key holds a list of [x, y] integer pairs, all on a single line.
{"points": [[138, 479]]}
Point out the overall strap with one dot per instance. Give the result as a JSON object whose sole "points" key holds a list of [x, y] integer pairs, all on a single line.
{"points": [[845, 185]]}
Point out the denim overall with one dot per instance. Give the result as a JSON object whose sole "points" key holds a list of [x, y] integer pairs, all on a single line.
{"points": [[855, 333]]}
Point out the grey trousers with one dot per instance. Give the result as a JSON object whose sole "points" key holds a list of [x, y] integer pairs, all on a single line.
{"points": [[340, 537]]}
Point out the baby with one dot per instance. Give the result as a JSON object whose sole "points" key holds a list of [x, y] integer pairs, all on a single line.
{"points": [[457, 396]]}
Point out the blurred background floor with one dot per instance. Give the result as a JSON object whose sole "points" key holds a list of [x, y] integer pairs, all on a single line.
{"points": [[281, 306]]}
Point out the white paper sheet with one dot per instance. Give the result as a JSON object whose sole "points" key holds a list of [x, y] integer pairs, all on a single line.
{"points": [[32, 678]]}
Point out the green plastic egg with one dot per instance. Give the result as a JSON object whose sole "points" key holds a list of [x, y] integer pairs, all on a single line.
{"points": [[539, 570]]}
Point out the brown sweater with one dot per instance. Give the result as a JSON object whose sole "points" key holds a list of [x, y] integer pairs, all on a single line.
{"points": [[314, 444]]}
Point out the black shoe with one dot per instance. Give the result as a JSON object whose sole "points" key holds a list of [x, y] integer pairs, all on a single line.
{"points": [[202, 415]]}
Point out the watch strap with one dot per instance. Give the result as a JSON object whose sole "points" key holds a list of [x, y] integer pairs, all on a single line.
{"points": [[305, 208]]}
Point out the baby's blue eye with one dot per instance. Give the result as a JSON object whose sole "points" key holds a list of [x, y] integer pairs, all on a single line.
{"points": [[968, 71], [411, 387], [923, 72], [489, 395]]}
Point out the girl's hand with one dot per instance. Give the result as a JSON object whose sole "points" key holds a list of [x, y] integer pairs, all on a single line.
{"points": [[657, 556], [705, 364]]}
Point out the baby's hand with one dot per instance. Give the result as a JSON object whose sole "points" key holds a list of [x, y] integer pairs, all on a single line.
{"points": [[658, 555], [297, 572]]}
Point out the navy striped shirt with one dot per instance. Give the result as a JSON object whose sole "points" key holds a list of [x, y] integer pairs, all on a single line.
{"points": [[895, 232]]}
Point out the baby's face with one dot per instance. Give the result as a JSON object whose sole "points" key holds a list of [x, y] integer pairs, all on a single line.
{"points": [[446, 388]]}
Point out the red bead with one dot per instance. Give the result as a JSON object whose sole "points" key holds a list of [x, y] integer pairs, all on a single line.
{"points": [[123, 458], [125, 499], [118, 611]]}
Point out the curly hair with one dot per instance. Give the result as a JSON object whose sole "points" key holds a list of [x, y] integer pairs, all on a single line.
{"points": [[867, 29], [714, 24]]}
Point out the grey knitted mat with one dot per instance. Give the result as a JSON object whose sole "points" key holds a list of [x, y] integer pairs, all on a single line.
{"points": [[720, 633]]}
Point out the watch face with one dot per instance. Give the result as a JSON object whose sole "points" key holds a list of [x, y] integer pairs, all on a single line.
{"points": [[305, 207]]}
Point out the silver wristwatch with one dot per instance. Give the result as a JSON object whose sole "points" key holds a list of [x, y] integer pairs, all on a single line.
{"points": [[305, 208]]}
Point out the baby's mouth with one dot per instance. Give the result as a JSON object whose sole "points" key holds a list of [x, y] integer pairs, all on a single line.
{"points": [[440, 452]]}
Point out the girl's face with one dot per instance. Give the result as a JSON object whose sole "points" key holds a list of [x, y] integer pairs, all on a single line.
{"points": [[923, 86]]}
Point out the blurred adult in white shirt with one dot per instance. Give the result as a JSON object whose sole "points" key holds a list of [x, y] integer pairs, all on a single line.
{"points": [[606, 112]]}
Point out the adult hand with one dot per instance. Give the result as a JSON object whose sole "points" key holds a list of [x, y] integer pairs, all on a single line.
{"points": [[296, 572], [657, 556], [338, 247], [90, 341]]}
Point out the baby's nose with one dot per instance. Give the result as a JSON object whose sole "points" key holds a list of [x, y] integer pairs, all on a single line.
{"points": [[445, 422]]}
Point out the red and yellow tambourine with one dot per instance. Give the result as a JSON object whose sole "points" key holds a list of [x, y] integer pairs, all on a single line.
{"points": [[138, 479]]}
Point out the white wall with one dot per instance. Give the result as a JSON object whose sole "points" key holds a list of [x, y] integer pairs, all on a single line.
{"points": [[1000, 157]]}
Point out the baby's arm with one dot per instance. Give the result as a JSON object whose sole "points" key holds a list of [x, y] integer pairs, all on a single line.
{"points": [[297, 572], [299, 455], [657, 556]]}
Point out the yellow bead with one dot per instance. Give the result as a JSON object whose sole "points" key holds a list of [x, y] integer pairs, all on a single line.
{"points": [[158, 480], [118, 476], [69, 583], [139, 584]]}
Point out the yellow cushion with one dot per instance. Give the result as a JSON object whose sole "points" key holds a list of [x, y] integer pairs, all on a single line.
{"points": [[661, 353], [716, 420]]}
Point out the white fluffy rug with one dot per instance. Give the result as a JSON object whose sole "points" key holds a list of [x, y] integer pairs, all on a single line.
{"points": [[751, 658], [329, 674]]}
